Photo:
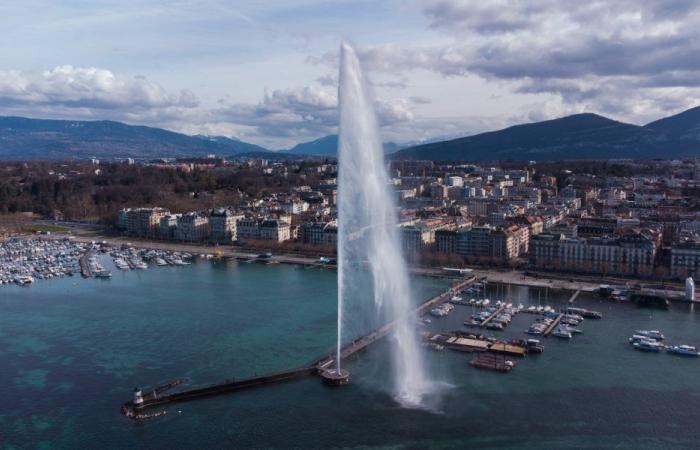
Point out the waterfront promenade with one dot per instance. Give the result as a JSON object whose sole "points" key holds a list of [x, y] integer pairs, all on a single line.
{"points": [[673, 291]]}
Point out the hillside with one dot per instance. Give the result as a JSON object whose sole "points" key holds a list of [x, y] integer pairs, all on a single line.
{"points": [[680, 131], [580, 136], [23, 138], [328, 146]]}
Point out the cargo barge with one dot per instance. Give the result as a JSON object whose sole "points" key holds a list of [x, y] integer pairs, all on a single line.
{"points": [[489, 361]]}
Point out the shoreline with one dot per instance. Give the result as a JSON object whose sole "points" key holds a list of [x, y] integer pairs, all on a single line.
{"points": [[516, 277]]}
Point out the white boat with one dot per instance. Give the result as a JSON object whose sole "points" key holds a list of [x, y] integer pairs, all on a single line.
{"points": [[161, 262], [24, 280], [562, 333], [651, 334], [438, 312], [648, 345], [684, 350]]}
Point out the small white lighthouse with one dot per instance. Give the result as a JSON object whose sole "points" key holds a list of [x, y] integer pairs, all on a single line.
{"points": [[690, 289], [138, 396]]}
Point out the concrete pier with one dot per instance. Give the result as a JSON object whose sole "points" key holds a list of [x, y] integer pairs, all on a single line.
{"points": [[574, 297], [551, 327], [322, 367], [85, 265], [494, 314]]}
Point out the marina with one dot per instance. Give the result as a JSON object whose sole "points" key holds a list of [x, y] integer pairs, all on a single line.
{"points": [[23, 261], [491, 352], [171, 322], [323, 367]]}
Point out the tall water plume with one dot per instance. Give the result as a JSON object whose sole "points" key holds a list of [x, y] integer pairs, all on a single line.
{"points": [[373, 283]]}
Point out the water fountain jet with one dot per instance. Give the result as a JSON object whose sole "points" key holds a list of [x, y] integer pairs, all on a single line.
{"points": [[370, 262]]}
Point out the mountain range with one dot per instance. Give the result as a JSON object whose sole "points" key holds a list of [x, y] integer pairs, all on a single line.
{"points": [[22, 138], [579, 136], [328, 146]]}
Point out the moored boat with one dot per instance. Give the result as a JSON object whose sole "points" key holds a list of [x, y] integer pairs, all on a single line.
{"points": [[647, 345], [651, 334], [684, 350]]}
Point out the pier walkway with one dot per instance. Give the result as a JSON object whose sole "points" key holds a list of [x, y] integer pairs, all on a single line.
{"points": [[85, 264], [133, 410], [554, 324], [364, 341], [574, 297], [494, 314]]}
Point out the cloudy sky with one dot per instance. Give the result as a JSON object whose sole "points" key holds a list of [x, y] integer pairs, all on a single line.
{"points": [[265, 71]]}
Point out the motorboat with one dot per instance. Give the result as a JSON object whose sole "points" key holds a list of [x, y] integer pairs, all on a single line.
{"points": [[24, 280], [684, 350], [648, 345], [562, 333], [651, 334], [534, 346]]}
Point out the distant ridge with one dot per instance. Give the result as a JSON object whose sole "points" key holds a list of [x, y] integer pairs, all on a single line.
{"points": [[24, 138], [579, 136], [328, 146]]}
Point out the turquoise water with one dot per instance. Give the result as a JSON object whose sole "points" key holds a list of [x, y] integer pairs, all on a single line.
{"points": [[71, 351]]}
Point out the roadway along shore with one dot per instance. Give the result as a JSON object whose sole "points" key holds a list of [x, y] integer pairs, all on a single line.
{"points": [[516, 277]]}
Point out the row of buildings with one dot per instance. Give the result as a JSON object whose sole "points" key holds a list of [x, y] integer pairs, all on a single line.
{"points": [[221, 225], [548, 218]]}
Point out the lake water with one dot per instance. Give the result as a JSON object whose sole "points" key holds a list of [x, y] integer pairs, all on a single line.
{"points": [[71, 351]]}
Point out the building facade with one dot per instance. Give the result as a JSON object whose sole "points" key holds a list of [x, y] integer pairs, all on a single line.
{"points": [[222, 225], [275, 230], [144, 222], [685, 260], [192, 227]]}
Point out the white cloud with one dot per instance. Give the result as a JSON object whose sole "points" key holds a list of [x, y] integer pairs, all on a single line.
{"points": [[286, 116], [439, 67], [88, 87], [634, 59]]}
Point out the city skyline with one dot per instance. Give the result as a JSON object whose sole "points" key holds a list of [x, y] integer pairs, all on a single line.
{"points": [[265, 74]]}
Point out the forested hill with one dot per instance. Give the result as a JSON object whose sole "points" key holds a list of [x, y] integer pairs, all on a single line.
{"points": [[25, 139]]}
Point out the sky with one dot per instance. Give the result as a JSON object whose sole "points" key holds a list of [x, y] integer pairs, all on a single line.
{"points": [[265, 71]]}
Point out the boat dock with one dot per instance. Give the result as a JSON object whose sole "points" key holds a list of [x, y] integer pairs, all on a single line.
{"points": [[553, 325], [470, 343], [85, 270], [574, 297], [133, 408], [364, 341], [494, 314], [130, 408]]}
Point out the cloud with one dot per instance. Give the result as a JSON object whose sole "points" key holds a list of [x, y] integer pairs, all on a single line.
{"points": [[281, 118], [418, 100], [601, 55], [76, 87], [605, 56], [292, 115]]}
